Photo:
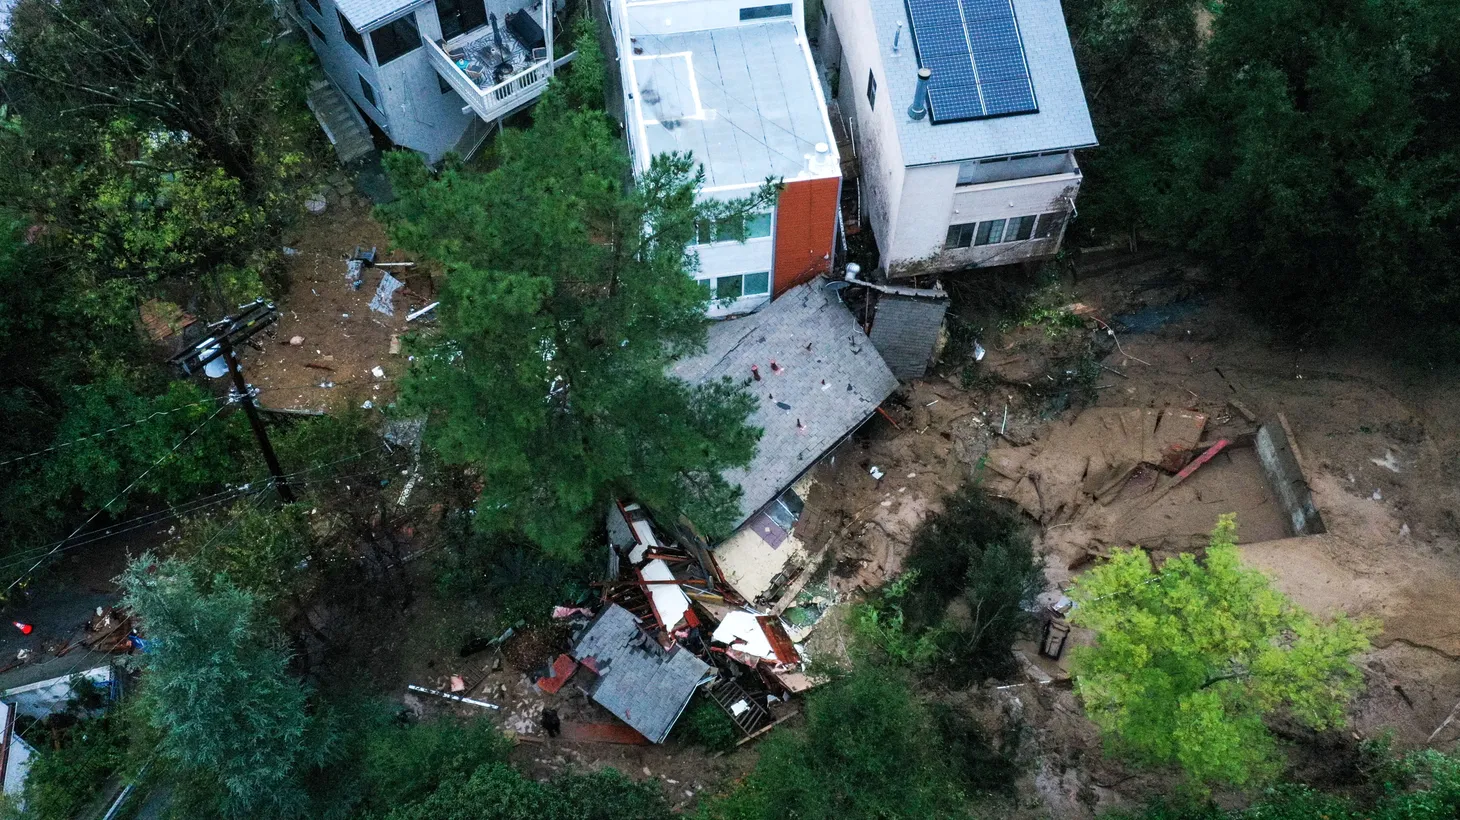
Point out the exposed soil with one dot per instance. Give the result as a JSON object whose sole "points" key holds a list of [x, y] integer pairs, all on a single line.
{"points": [[343, 340], [1379, 445]]}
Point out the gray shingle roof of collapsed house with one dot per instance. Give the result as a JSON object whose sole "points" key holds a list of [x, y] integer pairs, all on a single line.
{"points": [[904, 331], [831, 380], [638, 681], [1063, 120], [741, 98], [365, 14]]}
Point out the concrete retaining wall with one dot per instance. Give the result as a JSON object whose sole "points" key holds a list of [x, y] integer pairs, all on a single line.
{"points": [[1283, 468]]}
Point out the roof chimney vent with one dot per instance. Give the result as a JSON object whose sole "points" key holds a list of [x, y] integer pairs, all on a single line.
{"points": [[919, 107]]}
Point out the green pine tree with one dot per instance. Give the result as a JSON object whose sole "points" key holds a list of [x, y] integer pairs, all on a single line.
{"points": [[568, 293]]}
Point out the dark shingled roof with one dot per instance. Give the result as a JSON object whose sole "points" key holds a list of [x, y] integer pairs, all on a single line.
{"points": [[830, 380], [638, 681], [905, 331]]}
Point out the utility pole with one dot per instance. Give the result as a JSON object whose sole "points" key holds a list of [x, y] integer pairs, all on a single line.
{"points": [[245, 397], [251, 319]]}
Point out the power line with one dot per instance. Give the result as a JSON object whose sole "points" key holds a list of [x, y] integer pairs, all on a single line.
{"points": [[109, 430], [165, 456], [131, 525]]}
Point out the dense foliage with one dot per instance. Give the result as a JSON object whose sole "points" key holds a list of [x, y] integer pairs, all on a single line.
{"points": [[498, 792], [1192, 657], [1419, 786], [231, 719], [567, 297], [141, 161], [972, 578], [72, 763], [869, 749], [1308, 150]]}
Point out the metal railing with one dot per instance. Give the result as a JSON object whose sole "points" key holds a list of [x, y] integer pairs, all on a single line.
{"points": [[495, 101]]}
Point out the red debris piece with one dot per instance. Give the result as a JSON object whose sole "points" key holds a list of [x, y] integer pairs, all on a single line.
{"points": [[563, 668]]}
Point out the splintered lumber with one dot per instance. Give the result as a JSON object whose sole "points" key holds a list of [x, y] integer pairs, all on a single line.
{"points": [[1243, 411], [1185, 473], [458, 698], [1210, 453]]}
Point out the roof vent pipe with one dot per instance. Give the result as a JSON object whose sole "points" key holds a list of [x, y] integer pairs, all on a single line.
{"points": [[896, 38], [919, 107]]}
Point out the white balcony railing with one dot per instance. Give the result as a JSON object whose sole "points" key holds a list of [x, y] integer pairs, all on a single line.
{"points": [[495, 101]]}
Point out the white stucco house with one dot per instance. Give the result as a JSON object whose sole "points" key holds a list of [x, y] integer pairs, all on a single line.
{"points": [[966, 115], [432, 75], [733, 83]]}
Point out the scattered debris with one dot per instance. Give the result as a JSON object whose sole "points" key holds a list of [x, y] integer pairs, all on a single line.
{"points": [[422, 312], [1388, 462], [449, 696], [381, 303]]}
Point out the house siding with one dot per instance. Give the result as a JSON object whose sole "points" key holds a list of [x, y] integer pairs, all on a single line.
{"points": [[805, 231], [410, 107]]}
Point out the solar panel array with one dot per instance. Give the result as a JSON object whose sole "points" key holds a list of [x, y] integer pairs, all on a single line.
{"points": [[973, 49]]}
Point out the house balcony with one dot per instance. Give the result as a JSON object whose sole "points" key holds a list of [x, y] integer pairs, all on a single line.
{"points": [[502, 66]]}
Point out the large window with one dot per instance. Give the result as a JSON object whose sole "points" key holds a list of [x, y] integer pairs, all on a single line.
{"points": [[871, 90], [352, 37], [395, 39], [996, 231], [315, 5], [990, 232], [1019, 229], [1049, 225], [368, 90], [726, 288], [757, 226], [460, 16], [763, 12], [317, 32]]}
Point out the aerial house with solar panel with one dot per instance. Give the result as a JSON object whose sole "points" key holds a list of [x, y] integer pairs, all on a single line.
{"points": [[965, 115], [733, 83], [431, 75]]}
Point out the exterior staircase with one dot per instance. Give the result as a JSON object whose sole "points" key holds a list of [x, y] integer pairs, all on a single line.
{"points": [[752, 718], [341, 122]]}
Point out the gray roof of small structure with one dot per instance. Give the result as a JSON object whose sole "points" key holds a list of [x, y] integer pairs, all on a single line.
{"points": [[742, 100], [640, 683], [369, 14], [905, 330], [831, 380], [1063, 120]]}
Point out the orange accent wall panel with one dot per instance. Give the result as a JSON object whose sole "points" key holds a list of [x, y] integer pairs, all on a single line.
{"points": [[805, 230]]}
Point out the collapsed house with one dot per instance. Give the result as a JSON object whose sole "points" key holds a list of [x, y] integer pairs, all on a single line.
{"points": [[632, 675], [679, 613], [818, 378]]}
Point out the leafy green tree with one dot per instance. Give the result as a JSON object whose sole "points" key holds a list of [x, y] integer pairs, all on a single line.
{"points": [[1159, 42], [1190, 659], [403, 764], [568, 294], [869, 749], [216, 689], [1316, 166], [269, 552], [584, 86], [498, 792], [971, 582], [211, 70], [1422, 785], [66, 774]]}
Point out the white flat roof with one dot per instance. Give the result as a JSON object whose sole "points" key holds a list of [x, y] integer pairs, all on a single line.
{"points": [[741, 98]]}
